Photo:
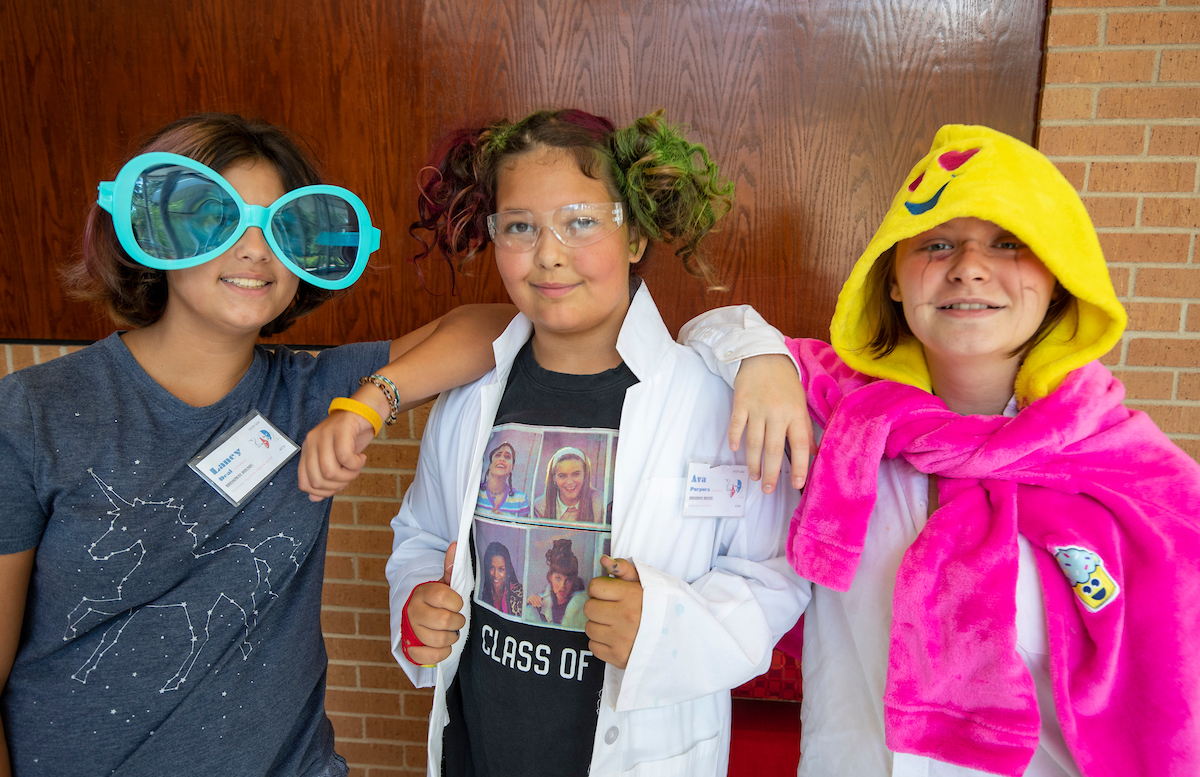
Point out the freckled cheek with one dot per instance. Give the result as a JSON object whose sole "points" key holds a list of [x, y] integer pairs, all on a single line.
{"points": [[1032, 294], [588, 268], [603, 262], [926, 282], [289, 283], [916, 279], [512, 267], [1036, 284]]}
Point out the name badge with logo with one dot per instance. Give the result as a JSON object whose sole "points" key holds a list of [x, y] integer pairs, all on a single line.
{"points": [[241, 461], [715, 490]]}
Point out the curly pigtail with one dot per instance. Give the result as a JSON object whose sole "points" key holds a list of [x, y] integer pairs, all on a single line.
{"points": [[452, 203], [673, 188]]}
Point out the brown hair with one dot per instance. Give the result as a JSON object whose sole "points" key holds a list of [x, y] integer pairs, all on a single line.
{"points": [[562, 560], [889, 326], [135, 295]]}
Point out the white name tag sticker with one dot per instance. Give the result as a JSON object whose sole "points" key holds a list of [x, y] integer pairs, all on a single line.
{"points": [[715, 490], [239, 463]]}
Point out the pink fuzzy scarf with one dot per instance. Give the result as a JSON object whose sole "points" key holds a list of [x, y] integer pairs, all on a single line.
{"points": [[1113, 506]]}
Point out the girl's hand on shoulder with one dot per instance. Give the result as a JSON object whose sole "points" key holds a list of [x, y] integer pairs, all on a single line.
{"points": [[770, 407], [614, 611], [332, 454]]}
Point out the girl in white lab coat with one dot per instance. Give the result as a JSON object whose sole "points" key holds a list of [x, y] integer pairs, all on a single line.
{"points": [[686, 596]]}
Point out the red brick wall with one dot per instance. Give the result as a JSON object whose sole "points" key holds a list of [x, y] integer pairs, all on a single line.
{"points": [[1120, 117], [380, 719]]}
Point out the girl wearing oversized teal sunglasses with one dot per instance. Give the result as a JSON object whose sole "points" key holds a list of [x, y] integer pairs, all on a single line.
{"points": [[171, 622], [171, 212]]}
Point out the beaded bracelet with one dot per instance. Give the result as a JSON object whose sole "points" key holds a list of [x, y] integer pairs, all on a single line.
{"points": [[389, 391], [359, 409]]}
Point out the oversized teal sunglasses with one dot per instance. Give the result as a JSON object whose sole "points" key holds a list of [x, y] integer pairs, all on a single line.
{"points": [[171, 212]]}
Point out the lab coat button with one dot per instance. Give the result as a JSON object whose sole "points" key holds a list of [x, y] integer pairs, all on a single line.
{"points": [[610, 736]]}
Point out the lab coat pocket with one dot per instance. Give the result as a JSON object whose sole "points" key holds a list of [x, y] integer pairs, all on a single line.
{"points": [[683, 738], [700, 760]]}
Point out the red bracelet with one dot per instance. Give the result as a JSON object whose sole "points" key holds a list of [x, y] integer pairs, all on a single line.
{"points": [[407, 638]]}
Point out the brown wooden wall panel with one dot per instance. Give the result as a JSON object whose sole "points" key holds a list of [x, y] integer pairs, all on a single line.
{"points": [[815, 109]]}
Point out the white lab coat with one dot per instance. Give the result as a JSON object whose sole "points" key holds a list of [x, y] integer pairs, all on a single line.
{"points": [[717, 593]]}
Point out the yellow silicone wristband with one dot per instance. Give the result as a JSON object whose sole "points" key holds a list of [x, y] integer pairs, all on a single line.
{"points": [[358, 408]]}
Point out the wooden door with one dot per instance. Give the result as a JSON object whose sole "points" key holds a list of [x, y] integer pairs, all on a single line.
{"points": [[815, 109]]}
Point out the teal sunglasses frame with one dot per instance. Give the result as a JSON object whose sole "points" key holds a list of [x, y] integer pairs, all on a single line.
{"points": [[116, 197]]}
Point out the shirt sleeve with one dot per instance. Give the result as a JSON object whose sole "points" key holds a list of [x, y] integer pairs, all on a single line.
{"points": [[22, 517], [340, 368], [725, 336], [423, 529]]}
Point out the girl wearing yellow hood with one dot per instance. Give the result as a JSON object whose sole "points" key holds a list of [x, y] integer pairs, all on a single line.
{"points": [[1007, 559]]}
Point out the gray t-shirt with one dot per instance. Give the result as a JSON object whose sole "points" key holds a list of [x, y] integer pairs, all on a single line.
{"points": [[166, 631]]}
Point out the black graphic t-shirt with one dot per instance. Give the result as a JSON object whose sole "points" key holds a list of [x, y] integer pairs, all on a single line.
{"points": [[525, 698]]}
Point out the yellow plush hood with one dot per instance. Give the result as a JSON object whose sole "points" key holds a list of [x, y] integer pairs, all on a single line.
{"points": [[979, 172]]}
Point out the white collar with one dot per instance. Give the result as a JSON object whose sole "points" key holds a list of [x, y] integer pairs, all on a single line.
{"points": [[643, 342]]}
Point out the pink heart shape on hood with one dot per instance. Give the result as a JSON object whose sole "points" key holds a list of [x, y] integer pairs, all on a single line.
{"points": [[952, 160]]}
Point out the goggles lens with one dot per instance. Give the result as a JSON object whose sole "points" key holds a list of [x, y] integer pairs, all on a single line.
{"points": [[177, 213], [319, 234], [575, 226], [171, 212]]}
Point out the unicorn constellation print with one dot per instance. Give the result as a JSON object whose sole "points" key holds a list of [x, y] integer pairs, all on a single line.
{"points": [[143, 530]]}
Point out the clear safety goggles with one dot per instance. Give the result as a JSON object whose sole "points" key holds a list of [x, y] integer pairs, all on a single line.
{"points": [[575, 226], [171, 212]]}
